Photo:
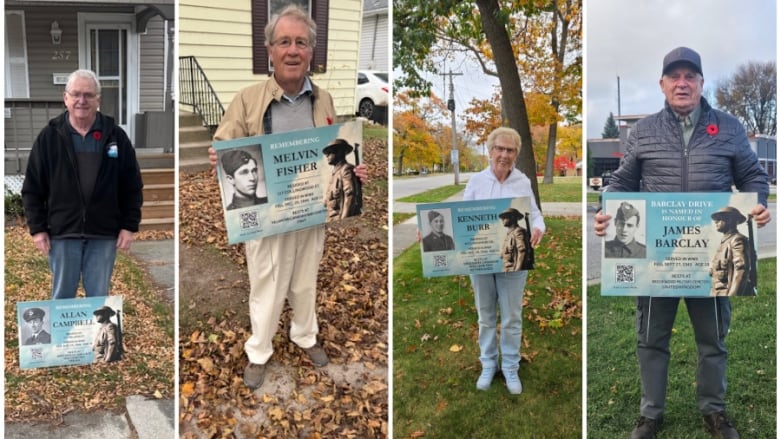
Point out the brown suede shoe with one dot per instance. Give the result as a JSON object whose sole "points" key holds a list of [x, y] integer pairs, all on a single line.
{"points": [[254, 375], [317, 355], [718, 425], [646, 428]]}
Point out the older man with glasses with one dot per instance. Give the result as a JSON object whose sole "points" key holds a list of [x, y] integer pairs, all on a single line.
{"points": [[82, 191], [282, 267]]}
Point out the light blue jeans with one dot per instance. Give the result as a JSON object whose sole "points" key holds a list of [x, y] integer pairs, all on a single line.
{"points": [[91, 260], [504, 291]]}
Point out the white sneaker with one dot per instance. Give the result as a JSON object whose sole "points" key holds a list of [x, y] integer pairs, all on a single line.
{"points": [[513, 383], [486, 378]]}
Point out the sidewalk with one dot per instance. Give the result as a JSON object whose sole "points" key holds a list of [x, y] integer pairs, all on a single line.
{"points": [[405, 233], [143, 418]]}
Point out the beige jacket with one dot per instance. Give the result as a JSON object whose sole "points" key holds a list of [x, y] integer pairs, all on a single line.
{"points": [[244, 116]]}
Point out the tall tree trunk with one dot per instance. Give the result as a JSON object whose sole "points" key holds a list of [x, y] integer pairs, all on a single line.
{"points": [[559, 53], [511, 87]]}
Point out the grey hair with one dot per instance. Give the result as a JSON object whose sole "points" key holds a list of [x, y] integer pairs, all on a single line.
{"points": [[83, 74], [504, 132], [296, 13]]}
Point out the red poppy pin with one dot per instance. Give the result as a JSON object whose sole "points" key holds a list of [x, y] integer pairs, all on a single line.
{"points": [[97, 135], [330, 121], [712, 129]]}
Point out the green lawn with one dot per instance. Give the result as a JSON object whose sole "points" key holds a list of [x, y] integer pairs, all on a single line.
{"points": [[563, 189], [434, 195], [401, 217], [613, 372], [436, 356]]}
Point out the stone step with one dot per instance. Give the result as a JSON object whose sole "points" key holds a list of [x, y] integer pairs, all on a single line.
{"points": [[158, 176], [159, 192], [158, 209], [188, 118], [195, 150], [189, 134], [194, 165]]}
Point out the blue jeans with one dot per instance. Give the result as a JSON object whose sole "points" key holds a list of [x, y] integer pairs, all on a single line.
{"points": [[504, 291], [91, 260]]}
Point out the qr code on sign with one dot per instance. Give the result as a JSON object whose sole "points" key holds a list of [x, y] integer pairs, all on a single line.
{"points": [[439, 260], [248, 220], [36, 353], [624, 274]]}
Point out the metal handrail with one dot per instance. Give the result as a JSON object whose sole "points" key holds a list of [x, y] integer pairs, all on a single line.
{"points": [[196, 90]]}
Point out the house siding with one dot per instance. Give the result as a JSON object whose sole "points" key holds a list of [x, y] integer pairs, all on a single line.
{"points": [[374, 42], [219, 36], [43, 57], [152, 66]]}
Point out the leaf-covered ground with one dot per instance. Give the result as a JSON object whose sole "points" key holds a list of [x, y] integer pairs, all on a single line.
{"points": [[47, 394], [347, 398]]}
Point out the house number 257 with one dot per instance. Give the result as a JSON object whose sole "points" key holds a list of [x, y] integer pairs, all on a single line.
{"points": [[60, 55]]}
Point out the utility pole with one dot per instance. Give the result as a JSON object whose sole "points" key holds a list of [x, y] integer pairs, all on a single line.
{"points": [[451, 106], [618, 81]]}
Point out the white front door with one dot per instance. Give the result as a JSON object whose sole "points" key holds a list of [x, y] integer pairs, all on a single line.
{"points": [[108, 46]]}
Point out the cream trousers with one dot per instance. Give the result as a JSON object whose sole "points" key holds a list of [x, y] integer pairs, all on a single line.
{"points": [[283, 267]]}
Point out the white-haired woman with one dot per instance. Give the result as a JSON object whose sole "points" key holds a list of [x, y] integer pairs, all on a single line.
{"points": [[502, 291]]}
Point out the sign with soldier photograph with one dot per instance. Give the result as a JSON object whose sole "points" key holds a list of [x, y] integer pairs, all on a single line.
{"points": [[278, 183], [475, 237], [70, 332], [679, 245]]}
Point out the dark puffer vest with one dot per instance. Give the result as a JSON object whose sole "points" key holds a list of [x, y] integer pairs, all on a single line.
{"points": [[717, 157]]}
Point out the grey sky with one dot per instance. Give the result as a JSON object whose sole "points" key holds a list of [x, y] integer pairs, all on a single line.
{"points": [[630, 38]]}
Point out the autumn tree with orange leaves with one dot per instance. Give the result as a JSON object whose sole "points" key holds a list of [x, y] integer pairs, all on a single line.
{"points": [[533, 40]]}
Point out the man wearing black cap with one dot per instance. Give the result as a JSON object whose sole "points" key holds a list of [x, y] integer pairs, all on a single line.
{"points": [[513, 250], [686, 147], [340, 197], [731, 264], [241, 173], [624, 245], [34, 318], [106, 346], [437, 240]]}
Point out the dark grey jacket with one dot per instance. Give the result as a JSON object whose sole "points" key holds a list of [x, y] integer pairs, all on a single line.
{"points": [[656, 160]]}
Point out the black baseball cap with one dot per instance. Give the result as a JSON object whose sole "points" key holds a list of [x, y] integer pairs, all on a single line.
{"points": [[680, 55]]}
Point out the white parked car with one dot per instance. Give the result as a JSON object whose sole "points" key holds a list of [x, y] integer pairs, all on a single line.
{"points": [[372, 94]]}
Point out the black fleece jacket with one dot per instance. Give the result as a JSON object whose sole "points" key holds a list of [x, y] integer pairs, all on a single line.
{"points": [[52, 197]]}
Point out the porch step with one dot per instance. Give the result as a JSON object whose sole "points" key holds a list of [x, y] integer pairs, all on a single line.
{"points": [[157, 224], [156, 160], [159, 192], [194, 143], [193, 166], [158, 210], [193, 133], [195, 150], [153, 176]]}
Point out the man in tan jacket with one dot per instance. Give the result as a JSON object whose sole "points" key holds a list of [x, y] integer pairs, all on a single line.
{"points": [[282, 266]]}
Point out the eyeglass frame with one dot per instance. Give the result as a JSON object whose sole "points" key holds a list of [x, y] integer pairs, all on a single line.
{"points": [[285, 43], [87, 96]]}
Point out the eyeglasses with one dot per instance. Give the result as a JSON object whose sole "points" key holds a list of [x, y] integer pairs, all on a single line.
{"points": [[504, 149], [285, 43], [77, 95]]}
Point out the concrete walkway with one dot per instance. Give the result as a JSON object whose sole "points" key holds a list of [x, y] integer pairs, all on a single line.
{"points": [[143, 418]]}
